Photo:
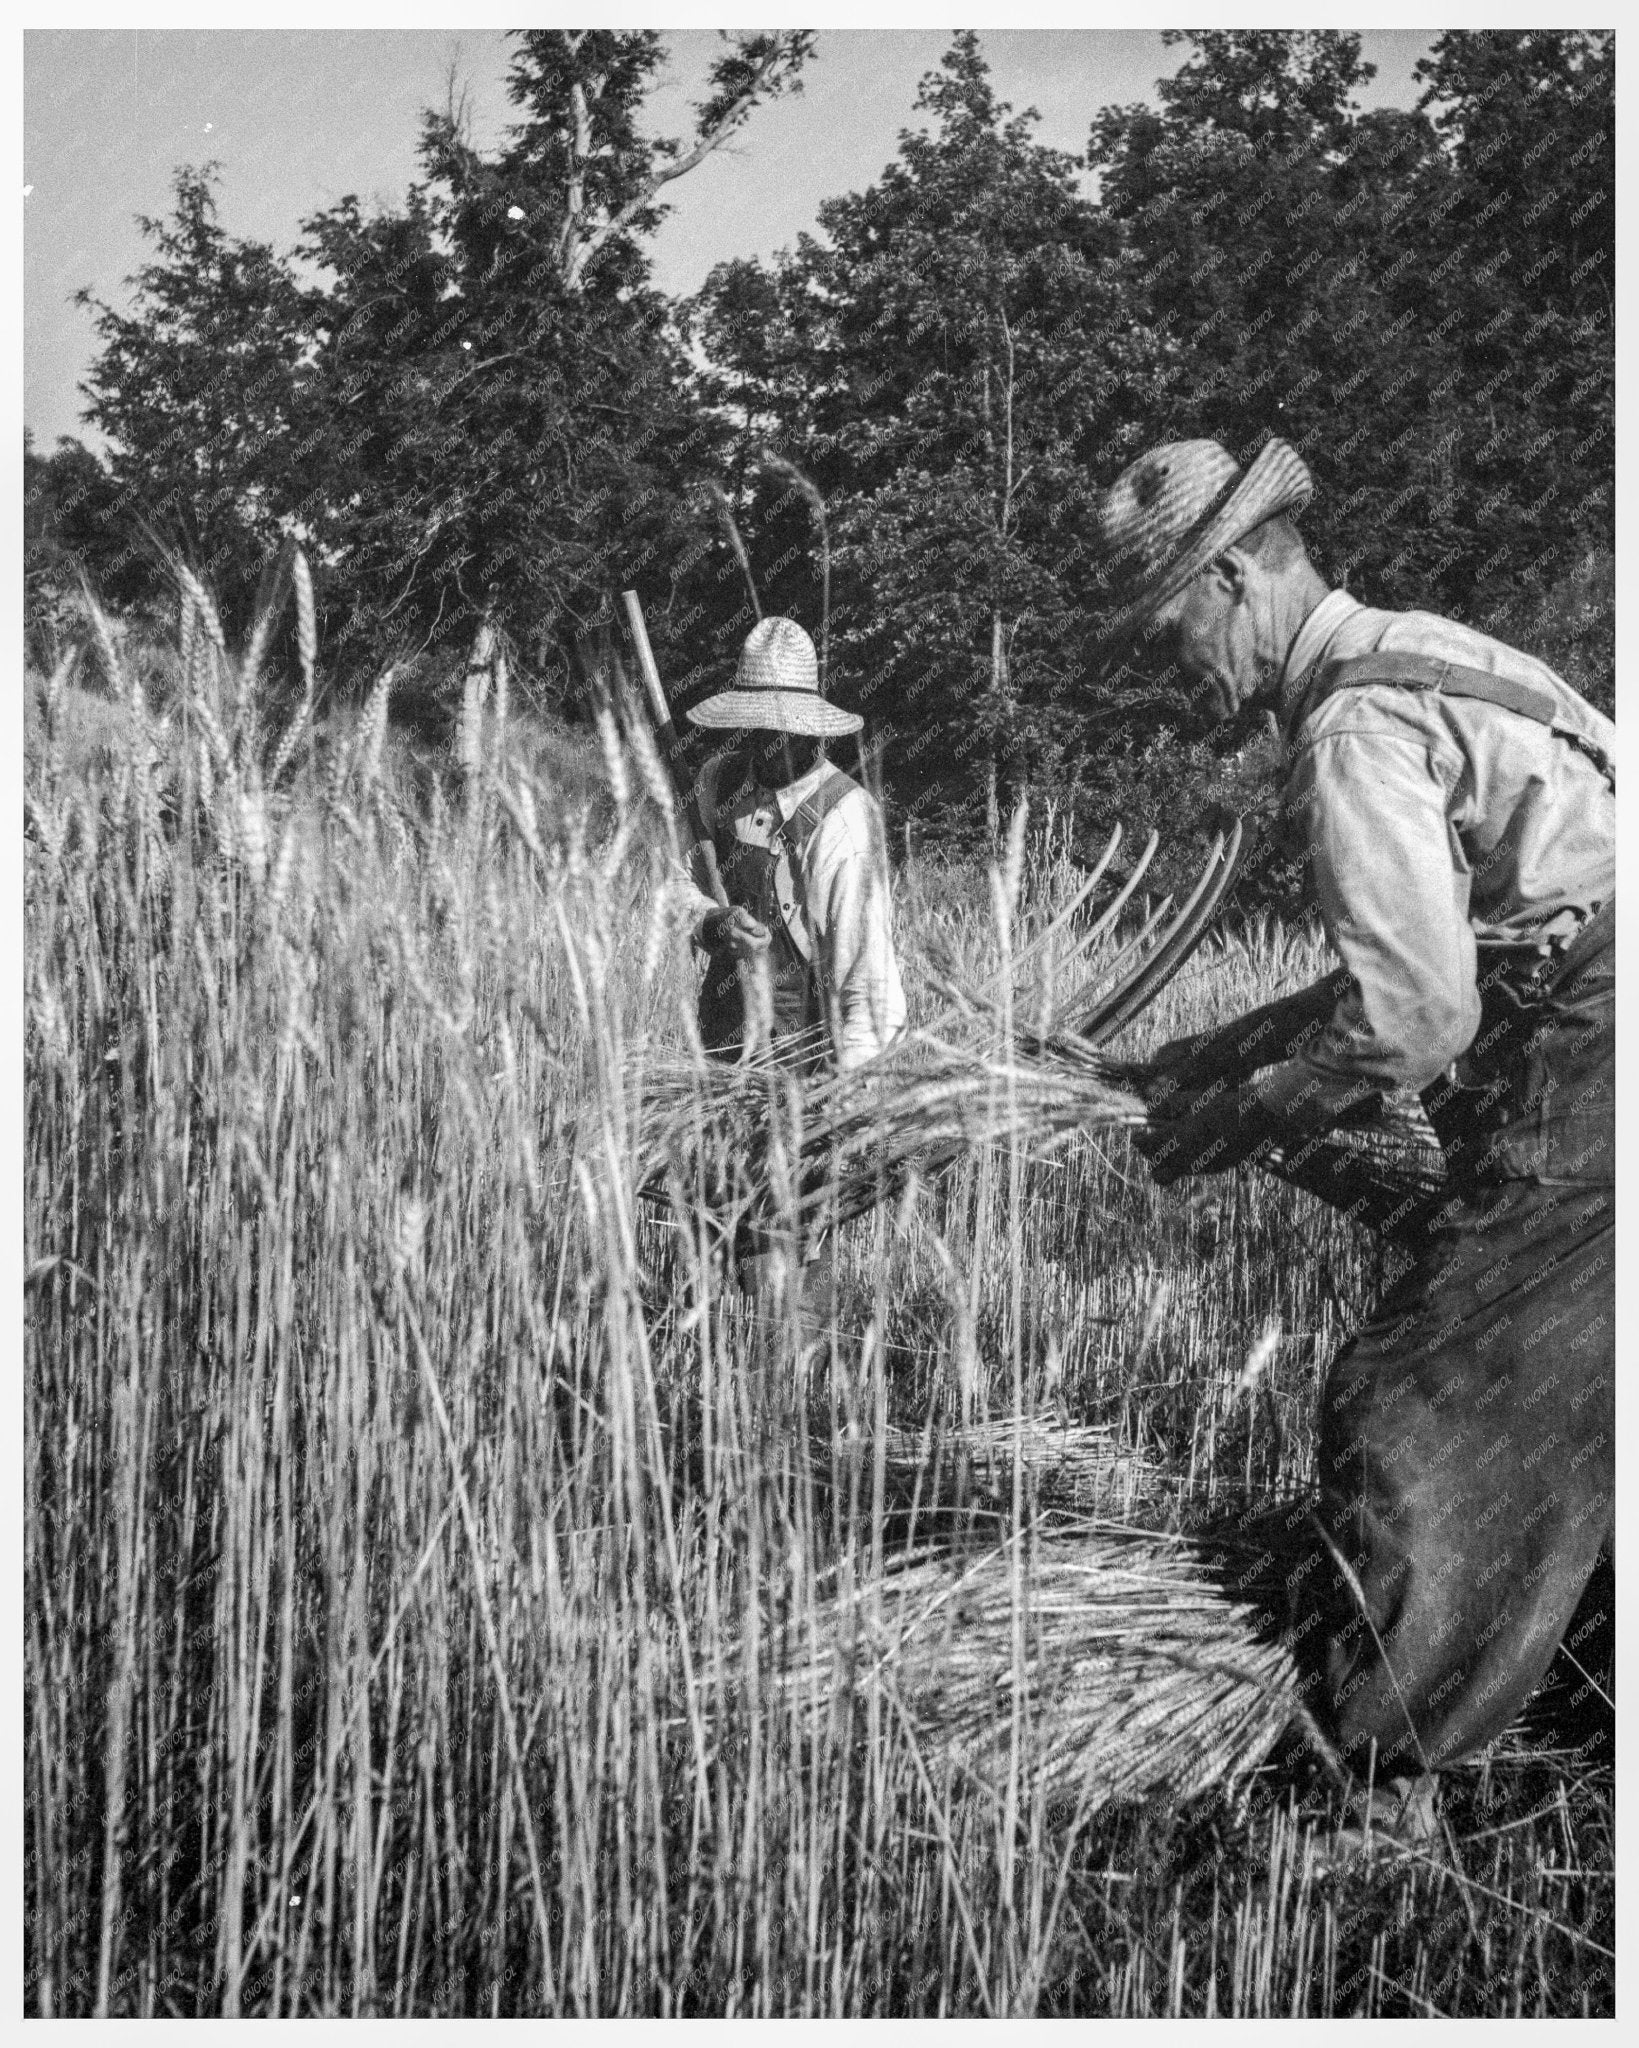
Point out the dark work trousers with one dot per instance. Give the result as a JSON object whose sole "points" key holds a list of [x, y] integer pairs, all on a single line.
{"points": [[797, 1043], [1467, 1437], [762, 1265]]}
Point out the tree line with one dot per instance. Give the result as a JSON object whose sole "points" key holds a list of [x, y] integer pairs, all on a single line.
{"points": [[477, 406]]}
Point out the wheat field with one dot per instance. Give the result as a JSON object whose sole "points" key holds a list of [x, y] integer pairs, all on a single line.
{"points": [[417, 1528]]}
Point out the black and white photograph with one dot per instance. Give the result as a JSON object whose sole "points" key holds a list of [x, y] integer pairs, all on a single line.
{"points": [[817, 926]]}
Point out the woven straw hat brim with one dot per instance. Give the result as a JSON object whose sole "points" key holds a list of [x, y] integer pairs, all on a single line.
{"points": [[1278, 481], [804, 712]]}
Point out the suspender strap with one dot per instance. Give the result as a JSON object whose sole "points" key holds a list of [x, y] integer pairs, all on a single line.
{"points": [[793, 835], [1454, 679], [812, 812]]}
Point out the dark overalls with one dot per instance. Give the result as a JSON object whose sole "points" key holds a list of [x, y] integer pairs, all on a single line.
{"points": [[1467, 1436], [761, 859]]}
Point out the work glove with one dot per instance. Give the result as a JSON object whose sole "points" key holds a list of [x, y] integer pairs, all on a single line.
{"points": [[1173, 1080], [1177, 1079], [1224, 1132], [733, 930]]}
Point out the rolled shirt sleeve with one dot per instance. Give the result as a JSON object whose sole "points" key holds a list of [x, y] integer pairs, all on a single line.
{"points": [[689, 904], [1393, 888], [859, 967]]}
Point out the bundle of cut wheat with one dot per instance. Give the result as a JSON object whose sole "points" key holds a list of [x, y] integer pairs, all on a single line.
{"points": [[832, 1147], [825, 1154], [1109, 1661], [1070, 1466]]}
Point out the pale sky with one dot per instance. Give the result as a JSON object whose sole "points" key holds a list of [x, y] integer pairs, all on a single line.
{"points": [[299, 117]]}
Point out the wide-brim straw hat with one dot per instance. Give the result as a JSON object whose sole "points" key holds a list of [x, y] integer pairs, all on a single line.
{"points": [[777, 688], [1166, 517]]}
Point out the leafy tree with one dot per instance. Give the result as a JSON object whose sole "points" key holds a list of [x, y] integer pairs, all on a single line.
{"points": [[71, 523], [479, 409], [510, 424], [1271, 224], [945, 367], [1351, 282], [1392, 292], [200, 389], [1529, 118]]}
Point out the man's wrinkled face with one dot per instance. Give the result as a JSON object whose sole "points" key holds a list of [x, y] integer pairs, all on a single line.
{"points": [[1208, 633]]}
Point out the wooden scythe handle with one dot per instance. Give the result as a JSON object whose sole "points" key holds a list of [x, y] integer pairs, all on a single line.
{"points": [[705, 854]]}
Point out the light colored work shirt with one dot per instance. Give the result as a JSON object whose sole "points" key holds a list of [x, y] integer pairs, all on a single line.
{"points": [[848, 899], [1443, 831]]}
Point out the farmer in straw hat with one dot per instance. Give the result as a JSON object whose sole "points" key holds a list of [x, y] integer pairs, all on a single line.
{"points": [[1457, 799], [800, 848], [801, 965]]}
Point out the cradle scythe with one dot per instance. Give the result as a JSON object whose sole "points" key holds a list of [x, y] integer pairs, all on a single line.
{"points": [[703, 852]]}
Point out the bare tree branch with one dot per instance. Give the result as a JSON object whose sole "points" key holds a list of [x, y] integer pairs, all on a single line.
{"points": [[758, 67], [571, 259]]}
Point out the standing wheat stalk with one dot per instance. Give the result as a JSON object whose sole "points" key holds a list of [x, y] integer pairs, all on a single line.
{"points": [[731, 526], [509, 1720], [816, 505]]}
